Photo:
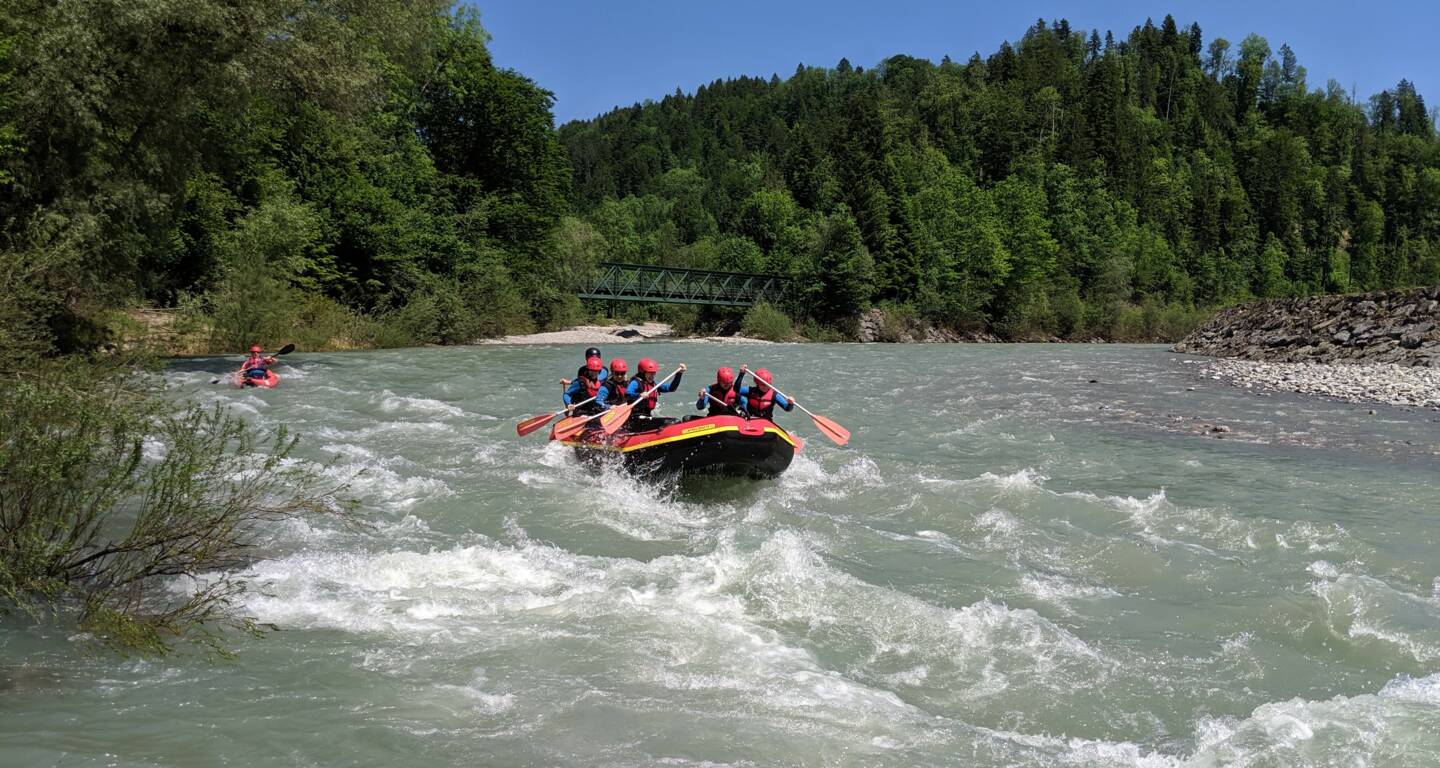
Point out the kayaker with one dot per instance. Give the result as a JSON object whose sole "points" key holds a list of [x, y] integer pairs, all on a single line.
{"points": [[257, 364], [643, 413], [758, 400], [725, 390], [585, 386], [614, 388]]}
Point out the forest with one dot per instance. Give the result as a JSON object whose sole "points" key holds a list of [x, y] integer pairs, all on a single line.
{"points": [[1070, 185], [364, 174]]}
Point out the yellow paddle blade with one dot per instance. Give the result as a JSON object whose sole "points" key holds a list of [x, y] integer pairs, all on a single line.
{"points": [[568, 428], [615, 418]]}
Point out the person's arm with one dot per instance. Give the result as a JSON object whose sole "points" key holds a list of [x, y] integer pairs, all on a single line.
{"points": [[633, 389], [784, 402], [673, 384], [742, 401], [702, 402], [602, 398], [571, 392]]}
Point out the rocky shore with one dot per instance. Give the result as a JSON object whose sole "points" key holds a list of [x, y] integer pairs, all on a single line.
{"points": [[1381, 347], [1415, 386], [1393, 327]]}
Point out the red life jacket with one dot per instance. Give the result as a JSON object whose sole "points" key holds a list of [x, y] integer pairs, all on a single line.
{"points": [[644, 406], [730, 397], [617, 388], [592, 387], [761, 405]]}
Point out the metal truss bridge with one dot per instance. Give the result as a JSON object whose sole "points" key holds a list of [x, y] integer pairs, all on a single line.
{"points": [[676, 285]]}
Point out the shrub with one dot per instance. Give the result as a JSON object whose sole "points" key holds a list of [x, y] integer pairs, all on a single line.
{"points": [[764, 321], [108, 497]]}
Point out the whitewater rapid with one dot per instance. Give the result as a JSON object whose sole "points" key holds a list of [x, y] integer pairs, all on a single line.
{"points": [[1006, 567]]}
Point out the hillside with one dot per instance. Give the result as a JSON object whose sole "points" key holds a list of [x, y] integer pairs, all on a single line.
{"points": [[1069, 184]]}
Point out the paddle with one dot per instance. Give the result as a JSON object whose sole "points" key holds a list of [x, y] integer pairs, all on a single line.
{"points": [[832, 430], [285, 350], [531, 424], [611, 420]]}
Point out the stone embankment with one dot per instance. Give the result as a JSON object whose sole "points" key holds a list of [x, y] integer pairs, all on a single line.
{"points": [[1399, 327], [1373, 347]]}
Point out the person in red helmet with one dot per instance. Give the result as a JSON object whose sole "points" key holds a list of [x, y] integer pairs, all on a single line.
{"points": [[758, 400], [586, 386], [257, 364], [723, 397], [615, 386], [579, 372], [642, 416]]}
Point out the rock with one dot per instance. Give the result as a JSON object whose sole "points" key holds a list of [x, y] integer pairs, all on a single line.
{"points": [[1220, 428]]}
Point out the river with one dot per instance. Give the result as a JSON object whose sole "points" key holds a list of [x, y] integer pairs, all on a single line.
{"points": [[1027, 555]]}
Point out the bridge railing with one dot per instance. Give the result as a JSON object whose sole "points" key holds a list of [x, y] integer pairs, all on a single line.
{"points": [[678, 285]]}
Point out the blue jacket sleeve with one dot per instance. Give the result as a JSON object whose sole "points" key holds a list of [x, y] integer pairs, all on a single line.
{"points": [[743, 401], [784, 402], [633, 389], [572, 392], [673, 384], [702, 402], [602, 398]]}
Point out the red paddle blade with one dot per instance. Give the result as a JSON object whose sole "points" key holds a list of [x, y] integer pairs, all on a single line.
{"points": [[568, 428], [615, 418], [533, 423], [832, 430]]}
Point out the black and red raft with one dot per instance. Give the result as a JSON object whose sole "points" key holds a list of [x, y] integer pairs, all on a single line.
{"points": [[713, 445]]}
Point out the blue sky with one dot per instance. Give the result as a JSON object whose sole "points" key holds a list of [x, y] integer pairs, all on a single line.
{"points": [[597, 55]]}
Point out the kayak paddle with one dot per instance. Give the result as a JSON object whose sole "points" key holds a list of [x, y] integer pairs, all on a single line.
{"points": [[285, 350], [535, 422], [832, 430], [612, 419]]}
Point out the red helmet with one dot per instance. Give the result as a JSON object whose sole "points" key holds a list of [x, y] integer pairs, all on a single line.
{"points": [[648, 366], [725, 376], [594, 364], [617, 365], [763, 374], [255, 349]]}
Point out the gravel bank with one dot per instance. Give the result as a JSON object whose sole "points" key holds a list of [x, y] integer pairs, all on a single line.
{"points": [[603, 335], [1382, 383]]}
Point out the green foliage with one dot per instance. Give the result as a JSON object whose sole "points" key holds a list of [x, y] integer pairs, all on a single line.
{"points": [[110, 499], [1061, 186], [764, 321]]}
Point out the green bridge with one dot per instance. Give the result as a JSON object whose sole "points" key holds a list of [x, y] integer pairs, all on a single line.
{"points": [[676, 285]]}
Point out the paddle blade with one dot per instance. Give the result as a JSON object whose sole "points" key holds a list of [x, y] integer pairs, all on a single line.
{"points": [[615, 418], [832, 430], [568, 428], [285, 350], [533, 423]]}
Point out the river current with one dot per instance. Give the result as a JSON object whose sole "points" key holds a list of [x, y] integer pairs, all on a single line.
{"points": [[1027, 556]]}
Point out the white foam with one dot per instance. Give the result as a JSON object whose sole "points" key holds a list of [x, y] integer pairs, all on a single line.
{"points": [[403, 404]]}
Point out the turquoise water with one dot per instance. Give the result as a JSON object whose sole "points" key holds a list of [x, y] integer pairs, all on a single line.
{"points": [[1009, 565]]}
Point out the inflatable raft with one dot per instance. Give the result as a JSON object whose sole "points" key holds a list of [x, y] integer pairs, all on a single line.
{"points": [[714, 445]]}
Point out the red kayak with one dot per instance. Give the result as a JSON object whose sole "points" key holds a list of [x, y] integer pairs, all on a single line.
{"points": [[716, 445], [270, 381]]}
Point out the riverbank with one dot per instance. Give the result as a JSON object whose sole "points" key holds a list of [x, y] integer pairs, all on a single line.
{"points": [[1388, 383], [619, 333]]}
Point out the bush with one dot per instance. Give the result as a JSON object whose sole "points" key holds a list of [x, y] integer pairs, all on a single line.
{"points": [[108, 495], [764, 321]]}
